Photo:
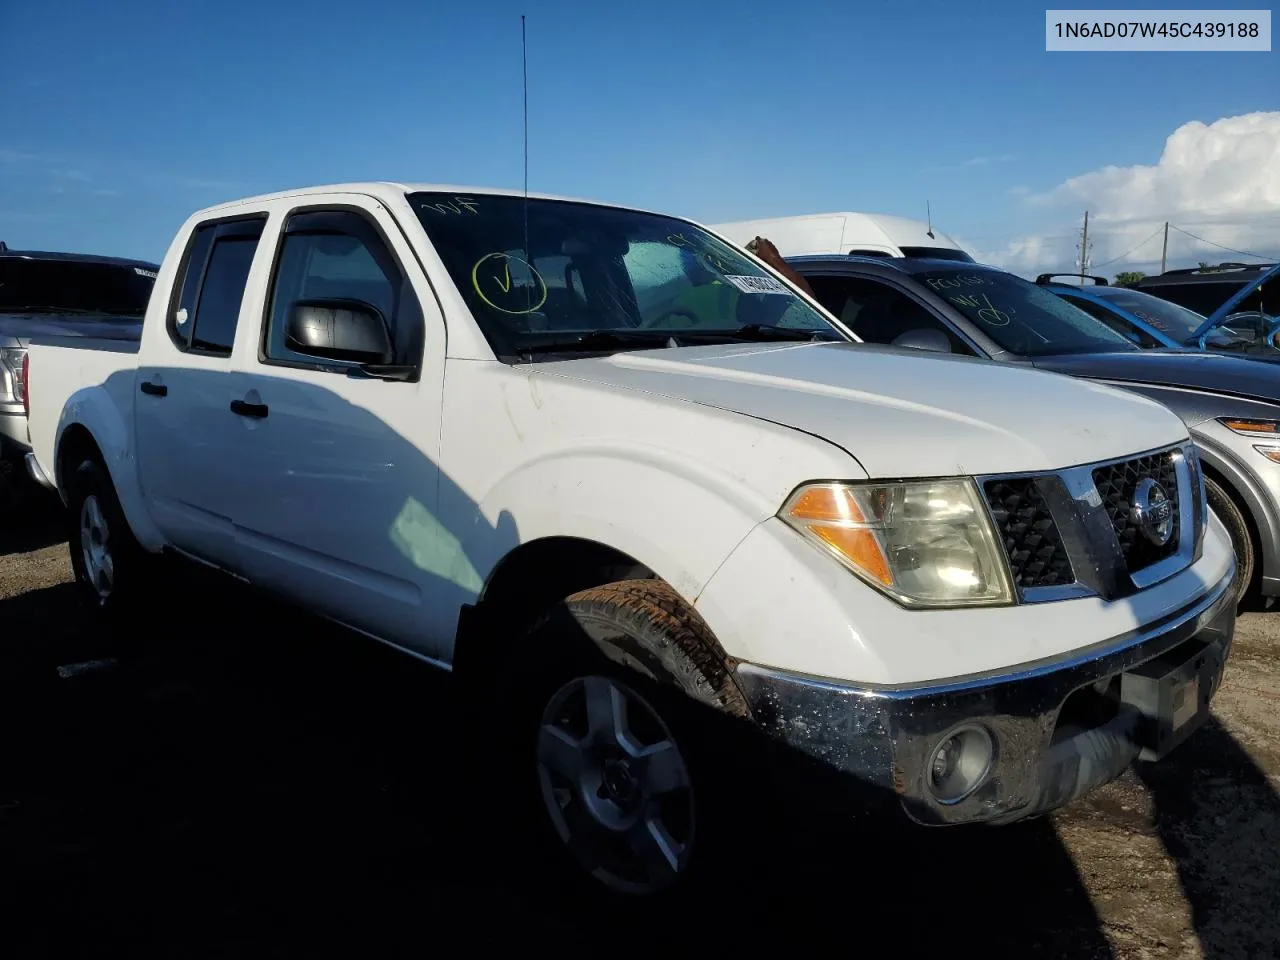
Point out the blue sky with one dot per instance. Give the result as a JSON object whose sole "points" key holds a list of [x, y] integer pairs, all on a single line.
{"points": [[119, 119]]}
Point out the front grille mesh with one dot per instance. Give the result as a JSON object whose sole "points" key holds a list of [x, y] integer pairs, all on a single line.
{"points": [[1037, 557], [1116, 484]]}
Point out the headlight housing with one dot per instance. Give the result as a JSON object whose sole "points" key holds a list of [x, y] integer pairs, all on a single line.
{"points": [[924, 543], [11, 373]]}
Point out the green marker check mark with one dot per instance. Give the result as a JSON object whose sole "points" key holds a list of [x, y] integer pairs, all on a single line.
{"points": [[506, 287]]}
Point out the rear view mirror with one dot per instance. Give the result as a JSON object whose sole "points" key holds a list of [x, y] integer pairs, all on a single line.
{"points": [[924, 339], [345, 330]]}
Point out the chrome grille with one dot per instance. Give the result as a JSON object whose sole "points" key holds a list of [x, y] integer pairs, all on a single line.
{"points": [[1075, 532], [1116, 484], [1037, 556]]}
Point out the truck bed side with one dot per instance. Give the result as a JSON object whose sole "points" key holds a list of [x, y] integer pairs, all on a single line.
{"points": [[78, 383]]}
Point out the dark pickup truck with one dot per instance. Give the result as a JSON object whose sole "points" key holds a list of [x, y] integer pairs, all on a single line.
{"points": [[65, 295]]}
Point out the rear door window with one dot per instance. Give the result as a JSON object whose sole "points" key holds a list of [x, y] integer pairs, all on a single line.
{"points": [[214, 277]]}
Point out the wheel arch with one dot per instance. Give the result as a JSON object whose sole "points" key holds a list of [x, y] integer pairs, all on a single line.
{"points": [[105, 440], [529, 580], [1245, 502]]}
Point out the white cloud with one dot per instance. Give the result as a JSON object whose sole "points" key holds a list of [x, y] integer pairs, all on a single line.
{"points": [[1217, 181]]}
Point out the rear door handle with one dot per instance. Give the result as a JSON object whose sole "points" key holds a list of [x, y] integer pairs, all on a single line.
{"points": [[153, 389], [244, 408]]}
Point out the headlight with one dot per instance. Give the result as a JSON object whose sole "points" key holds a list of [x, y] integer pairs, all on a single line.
{"points": [[1252, 428], [926, 543], [10, 373]]}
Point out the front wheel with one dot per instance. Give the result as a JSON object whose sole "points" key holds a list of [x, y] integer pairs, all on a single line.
{"points": [[1233, 519], [615, 700], [615, 784]]}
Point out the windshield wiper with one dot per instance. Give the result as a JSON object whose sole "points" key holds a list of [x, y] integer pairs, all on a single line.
{"points": [[596, 340], [763, 333]]}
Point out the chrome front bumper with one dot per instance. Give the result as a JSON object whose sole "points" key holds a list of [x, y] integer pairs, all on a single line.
{"points": [[1059, 728]]}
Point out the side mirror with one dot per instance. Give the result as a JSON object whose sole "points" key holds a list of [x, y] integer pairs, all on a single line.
{"points": [[348, 330], [924, 339]]}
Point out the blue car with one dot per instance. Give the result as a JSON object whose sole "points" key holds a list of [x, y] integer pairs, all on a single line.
{"points": [[1151, 322]]}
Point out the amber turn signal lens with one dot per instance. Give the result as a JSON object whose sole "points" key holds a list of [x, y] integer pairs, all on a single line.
{"points": [[860, 547], [831, 504], [830, 513], [1271, 427]]}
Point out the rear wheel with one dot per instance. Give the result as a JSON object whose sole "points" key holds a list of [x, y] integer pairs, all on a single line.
{"points": [[108, 563], [1233, 518]]}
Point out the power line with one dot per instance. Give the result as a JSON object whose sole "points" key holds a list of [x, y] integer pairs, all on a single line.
{"points": [[1112, 228], [1137, 247], [1243, 253]]}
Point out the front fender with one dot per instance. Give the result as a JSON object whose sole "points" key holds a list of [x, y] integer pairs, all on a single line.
{"points": [[1256, 483], [96, 411], [688, 521]]}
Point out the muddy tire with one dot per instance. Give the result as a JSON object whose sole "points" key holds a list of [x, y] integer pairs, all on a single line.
{"points": [[110, 566], [621, 717], [1233, 518]]}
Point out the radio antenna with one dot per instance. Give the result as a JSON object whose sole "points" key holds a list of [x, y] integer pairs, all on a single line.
{"points": [[928, 212], [524, 67]]}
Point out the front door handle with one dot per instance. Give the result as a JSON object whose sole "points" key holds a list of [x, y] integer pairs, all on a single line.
{"points": [[244, 408], [153, 389]]}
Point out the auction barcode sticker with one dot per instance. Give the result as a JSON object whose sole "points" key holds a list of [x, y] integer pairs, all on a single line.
{"points": [[1157, 30], [757, 284]]}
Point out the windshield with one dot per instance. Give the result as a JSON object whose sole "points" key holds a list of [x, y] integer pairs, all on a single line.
{"points": [[603, 278], [1021, 317], [74, 286], [1169, 318]]}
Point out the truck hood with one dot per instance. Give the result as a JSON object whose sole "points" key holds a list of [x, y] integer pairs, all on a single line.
{"points": [[23, 326], [900, 412], [1210, 372]]}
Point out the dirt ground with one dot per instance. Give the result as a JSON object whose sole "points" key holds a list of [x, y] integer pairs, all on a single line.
{"points": [[271, 788]]}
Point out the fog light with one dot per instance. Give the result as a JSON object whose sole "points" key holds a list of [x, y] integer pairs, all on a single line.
{"points": [[960, 763]]}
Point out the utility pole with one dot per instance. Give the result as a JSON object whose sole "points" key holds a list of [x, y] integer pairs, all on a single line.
{"points": [[1084, 248], [1164, 251]]}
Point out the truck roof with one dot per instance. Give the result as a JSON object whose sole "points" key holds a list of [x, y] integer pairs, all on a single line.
{"points": [[9, 253], [840, 233], [389, 190]]}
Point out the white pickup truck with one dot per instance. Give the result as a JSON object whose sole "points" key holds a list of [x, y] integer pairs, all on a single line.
{"points": [[618, 461]]}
